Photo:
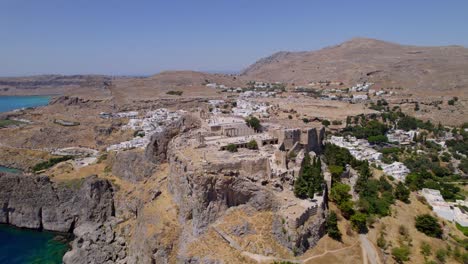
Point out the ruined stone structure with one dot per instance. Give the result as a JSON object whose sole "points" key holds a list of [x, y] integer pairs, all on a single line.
{"points": [[309, 139]]}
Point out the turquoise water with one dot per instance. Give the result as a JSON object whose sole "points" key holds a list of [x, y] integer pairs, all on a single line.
{"points": [[9, 169], [21, 246], [9, 103]]}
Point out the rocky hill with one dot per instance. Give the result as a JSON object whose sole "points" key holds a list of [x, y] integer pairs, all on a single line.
{"points": [[360, 59]]}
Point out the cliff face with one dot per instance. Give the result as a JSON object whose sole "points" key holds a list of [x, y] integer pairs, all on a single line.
{"points": [[35, 202], [135, 165]]}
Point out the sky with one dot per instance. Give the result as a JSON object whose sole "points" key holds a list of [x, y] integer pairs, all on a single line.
{"points": [[143, 37]]}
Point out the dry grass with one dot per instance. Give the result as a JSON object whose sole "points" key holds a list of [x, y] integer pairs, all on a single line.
{"points": [[403, 215]]}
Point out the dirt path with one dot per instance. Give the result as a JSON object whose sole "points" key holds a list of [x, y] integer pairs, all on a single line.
{"points": [[267, 259], [368, 251], [327, 252]]}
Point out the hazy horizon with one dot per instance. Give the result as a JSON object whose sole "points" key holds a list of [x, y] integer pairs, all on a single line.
{"points": [[123, 38]]}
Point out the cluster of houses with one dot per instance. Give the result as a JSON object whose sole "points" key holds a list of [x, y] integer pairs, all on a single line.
{"points": [[255, 94], [154, 121], [246, 108], [361, 150], [397, 170], [361, 87], [401, 137], [454, 212]]}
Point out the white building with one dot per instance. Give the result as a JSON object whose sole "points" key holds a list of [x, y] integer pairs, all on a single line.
{"points": [[361, 150], [397, 170], [153, 122], [359, 97], [439, 206], [401, 137], [445, 210], [246, 108]]}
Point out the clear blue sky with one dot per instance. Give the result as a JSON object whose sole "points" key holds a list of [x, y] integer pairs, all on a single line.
{"points": [[144, 37]]}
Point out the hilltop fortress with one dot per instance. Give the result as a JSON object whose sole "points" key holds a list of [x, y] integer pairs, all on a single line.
{"points": [[207, 179]]}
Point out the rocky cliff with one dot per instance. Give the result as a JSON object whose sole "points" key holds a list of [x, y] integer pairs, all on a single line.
{"points": [[135, 165], [35, 202], [84, 207]]}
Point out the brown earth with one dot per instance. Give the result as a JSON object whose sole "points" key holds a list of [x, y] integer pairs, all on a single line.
{"points": [[436, 69]]}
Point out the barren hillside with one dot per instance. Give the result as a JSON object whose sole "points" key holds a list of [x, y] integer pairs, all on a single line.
{"points": [[388, 64]]}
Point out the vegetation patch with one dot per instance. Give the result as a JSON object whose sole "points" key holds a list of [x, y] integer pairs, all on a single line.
{"points": [[8, 123], [428, 225], [253, 123], [178, 93], [50, 163]]}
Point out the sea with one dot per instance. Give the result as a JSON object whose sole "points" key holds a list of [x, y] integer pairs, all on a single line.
{"points": [[9, 103], [23, 246]]}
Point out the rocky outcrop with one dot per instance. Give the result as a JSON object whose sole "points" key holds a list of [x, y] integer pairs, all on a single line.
{"points": [[203, 196], [35, 202], [132, 165], [156, 151], [84, 207], [305, 236], [97, 243], [135, 165]]}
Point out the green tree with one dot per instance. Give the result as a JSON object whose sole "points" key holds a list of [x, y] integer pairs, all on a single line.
{"points": [[359, 221], [402, 193], [336, 172], [347, 208], [300, 187], [254, 123], [332, 226], [326, 123], [339, 193], [428, 225]]}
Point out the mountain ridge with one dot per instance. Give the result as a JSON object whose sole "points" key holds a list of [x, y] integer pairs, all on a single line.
{"points": [[365, 59]]}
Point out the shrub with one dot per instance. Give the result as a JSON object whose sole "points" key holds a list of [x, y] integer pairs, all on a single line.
{"points": [[441, 255], [305, 120], [231, 148], [337, 122], [428, 225], [381, 242], [402, 193], [426, 250], [252, 144], [401, 254], [178, 93], [325, 122]]}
